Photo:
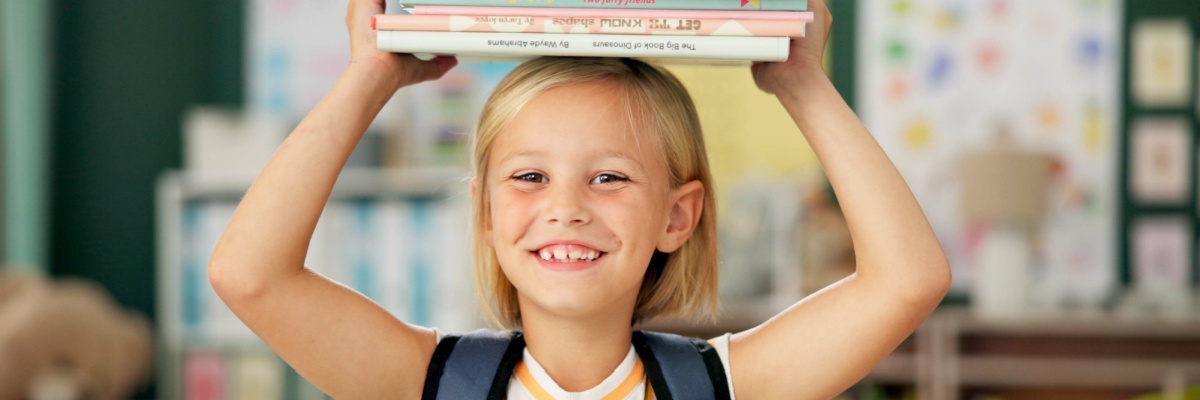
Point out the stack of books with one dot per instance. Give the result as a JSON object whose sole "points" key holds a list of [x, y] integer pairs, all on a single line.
{"points": [[705, 31]]}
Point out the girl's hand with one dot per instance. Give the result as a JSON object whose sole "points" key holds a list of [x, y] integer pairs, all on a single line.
{"points": [[406, 69], [804, 59]]}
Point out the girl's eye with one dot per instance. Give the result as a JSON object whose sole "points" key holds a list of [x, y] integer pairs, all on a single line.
{"points": [[608, 179], [532, 177]]}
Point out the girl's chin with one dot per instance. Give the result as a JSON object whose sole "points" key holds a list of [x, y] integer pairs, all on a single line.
{"points": [[564, 304]]}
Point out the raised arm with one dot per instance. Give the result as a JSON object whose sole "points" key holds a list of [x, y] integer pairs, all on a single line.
{"points": [[820, 346], [339, 340]]}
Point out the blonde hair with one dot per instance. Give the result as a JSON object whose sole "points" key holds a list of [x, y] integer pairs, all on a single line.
{"points": [[682, 283]]}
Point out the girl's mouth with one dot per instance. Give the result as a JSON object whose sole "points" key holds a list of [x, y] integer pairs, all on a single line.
{"points": [[567, 253], [568, 257]]}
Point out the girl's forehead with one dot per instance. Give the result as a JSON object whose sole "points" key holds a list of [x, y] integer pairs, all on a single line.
{"points": [[580, 121]]}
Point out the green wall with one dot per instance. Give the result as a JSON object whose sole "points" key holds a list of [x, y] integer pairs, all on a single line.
{"points": [[1131, 211], [125, 71], [25, 100], [3, 138]]}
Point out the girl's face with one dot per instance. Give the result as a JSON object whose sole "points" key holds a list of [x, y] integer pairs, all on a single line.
{"points": [[579, 200]]}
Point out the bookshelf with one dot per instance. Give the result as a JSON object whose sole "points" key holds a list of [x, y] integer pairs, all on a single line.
{"points": [[375, 219]]}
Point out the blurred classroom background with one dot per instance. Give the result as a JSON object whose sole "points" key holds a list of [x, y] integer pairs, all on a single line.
{"points": [[1052, 144]]}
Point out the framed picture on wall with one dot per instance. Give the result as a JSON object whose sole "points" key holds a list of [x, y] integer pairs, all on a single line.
{"points": [[1159, 160], [1161, 252], [1161, 70]]}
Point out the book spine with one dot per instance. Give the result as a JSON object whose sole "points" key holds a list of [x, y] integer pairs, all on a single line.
{"points": [[589, 25], [195, 260], [770, 5], [205, 375], [421, 268], [258, 376], [609, 12], [544, 44], [394, 245]]}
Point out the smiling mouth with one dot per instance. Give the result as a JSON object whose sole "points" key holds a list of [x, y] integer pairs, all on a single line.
{"points": [[559, 255]]}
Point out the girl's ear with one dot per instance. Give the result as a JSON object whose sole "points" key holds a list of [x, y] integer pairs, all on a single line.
{"points": [[487, 215], [686, 206]]}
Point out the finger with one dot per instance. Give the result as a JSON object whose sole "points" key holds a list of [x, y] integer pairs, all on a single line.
{"points": [[825, 18], [373, 6], [362, 10]]}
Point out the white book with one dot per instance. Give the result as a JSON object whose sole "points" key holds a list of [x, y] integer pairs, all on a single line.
{"points": [[219, 322], [392, 245], [352, 225], [194, 260], [420, 259], [518, 45], [321, 258], [455, 307], [258, 376]]}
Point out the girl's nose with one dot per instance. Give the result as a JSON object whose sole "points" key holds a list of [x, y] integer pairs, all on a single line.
{"points": [[564, 205]]}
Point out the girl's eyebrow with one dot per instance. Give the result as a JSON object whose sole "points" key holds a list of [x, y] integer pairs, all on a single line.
{"points": [[539, 153], [519, 154]]}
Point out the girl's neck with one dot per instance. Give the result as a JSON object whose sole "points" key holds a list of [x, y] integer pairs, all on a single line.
{"points": [[577, 354]]}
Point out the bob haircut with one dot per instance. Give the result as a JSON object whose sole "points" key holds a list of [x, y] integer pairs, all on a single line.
{"points": [[682, 283]]}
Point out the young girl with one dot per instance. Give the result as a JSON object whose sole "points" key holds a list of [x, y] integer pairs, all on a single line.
{"points": [[593, 209]]}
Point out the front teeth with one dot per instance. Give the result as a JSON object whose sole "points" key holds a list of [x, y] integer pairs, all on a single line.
{"points": [[562, 255]]}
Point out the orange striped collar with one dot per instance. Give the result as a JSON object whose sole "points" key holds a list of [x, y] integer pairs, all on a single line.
{"points": [[636, 377]]}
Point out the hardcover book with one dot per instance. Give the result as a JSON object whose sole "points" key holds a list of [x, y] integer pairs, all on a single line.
{"points": [[778, 5], [608, 12], [729, 48], [589, 25]]}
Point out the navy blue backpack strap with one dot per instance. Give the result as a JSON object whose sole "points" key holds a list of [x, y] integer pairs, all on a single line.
{"points": [[475, 365], [680, 367]]}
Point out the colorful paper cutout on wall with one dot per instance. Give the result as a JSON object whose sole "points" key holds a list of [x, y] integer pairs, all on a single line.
{"points": [[1092, 136], [1159, 164], [919, 134], [940, 68], [1049, 117], [988, 57], [1160, 62], [1091, 50], [897, 51]]}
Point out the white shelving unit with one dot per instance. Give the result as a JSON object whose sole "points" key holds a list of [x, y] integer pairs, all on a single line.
{"points": [[177, 189]]}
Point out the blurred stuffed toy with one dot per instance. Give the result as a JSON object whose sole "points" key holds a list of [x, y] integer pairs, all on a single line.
{"points": [[68, 340]]}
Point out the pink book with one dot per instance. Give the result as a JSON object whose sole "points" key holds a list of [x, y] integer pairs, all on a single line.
{"points": [[204, 376], [589, 25], [607, 12]]}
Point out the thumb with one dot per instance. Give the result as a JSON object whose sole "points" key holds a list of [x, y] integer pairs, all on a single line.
{"points": [[436, 68], [757, 70]]}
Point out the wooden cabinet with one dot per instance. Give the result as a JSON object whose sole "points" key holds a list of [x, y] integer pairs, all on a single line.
{"points": [[956, 355]]}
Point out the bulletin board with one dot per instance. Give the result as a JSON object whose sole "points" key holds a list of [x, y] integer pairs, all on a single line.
{"points": [[938, 79], [1160, 111]]}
